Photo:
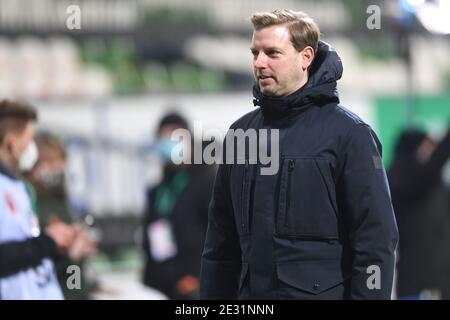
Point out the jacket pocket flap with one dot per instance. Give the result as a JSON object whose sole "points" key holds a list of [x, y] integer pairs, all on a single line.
{"points": [[311, 276]]}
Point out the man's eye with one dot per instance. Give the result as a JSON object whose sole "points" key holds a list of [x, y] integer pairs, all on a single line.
{"points": [[273, 53]]}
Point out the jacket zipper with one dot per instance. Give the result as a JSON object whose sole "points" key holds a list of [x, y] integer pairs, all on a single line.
{"points": [[291, 167], [243, 194]]}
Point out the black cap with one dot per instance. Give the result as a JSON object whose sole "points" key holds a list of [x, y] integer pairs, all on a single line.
{"points": [[173, 119]]}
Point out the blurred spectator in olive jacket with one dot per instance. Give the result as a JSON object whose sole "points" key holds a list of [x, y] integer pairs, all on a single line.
{"points": [[175, 219], [48, 180]]}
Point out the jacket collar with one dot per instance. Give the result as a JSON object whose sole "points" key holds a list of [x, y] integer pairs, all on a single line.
{"points": [[8, 172]]}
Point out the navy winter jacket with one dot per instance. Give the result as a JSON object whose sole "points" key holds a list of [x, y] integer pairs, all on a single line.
{"points": [[323, 226]]}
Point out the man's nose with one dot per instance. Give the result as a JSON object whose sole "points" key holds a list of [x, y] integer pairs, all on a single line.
{"points": [[260, 61]]}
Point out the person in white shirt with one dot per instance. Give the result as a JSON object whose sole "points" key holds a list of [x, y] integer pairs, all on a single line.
{"points": [[26, 252]]}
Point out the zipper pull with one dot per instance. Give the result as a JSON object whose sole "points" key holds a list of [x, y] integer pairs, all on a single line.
{"points": [[291, 165]]}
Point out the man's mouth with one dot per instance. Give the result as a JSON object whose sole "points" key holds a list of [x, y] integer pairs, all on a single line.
{"points": [[262, 77]]}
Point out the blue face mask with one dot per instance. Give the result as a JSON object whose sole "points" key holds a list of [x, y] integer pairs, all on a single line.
{"points": [[165, 146]]}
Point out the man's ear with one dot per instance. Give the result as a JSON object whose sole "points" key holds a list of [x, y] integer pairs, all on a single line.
{"points": [[307, 56], [8, 141]]}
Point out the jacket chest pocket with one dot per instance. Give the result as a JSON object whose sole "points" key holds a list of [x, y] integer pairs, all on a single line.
{"points": [[307, 200], [242, 196]]}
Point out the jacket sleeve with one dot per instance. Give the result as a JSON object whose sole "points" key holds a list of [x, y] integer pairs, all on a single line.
{"points": [[16, 256], [368, 215], [221, 260]]}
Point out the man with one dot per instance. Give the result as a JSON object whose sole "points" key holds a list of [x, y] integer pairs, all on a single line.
{"points": [[422, 205], [323, 227], [175, 219], [47, 180], [26, 268]]}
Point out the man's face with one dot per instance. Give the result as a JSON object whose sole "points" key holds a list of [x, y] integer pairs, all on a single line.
{"points": [[425, 150], [166, 146], [21, 140], [51, 162], [279, 69]]}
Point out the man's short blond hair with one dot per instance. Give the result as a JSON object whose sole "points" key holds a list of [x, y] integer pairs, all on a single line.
{"points": [[304, 31]]}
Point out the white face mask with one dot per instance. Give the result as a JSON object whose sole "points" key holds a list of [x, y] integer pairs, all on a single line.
{"points": [[29, 157]]}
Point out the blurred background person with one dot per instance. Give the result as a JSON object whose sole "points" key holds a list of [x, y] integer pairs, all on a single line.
{"points": [[422, 205], [50, 202], [176, 217], [26, 254]]}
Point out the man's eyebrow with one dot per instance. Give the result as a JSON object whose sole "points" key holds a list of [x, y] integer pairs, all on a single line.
{"points": [[267, 49], [273, 49]]}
